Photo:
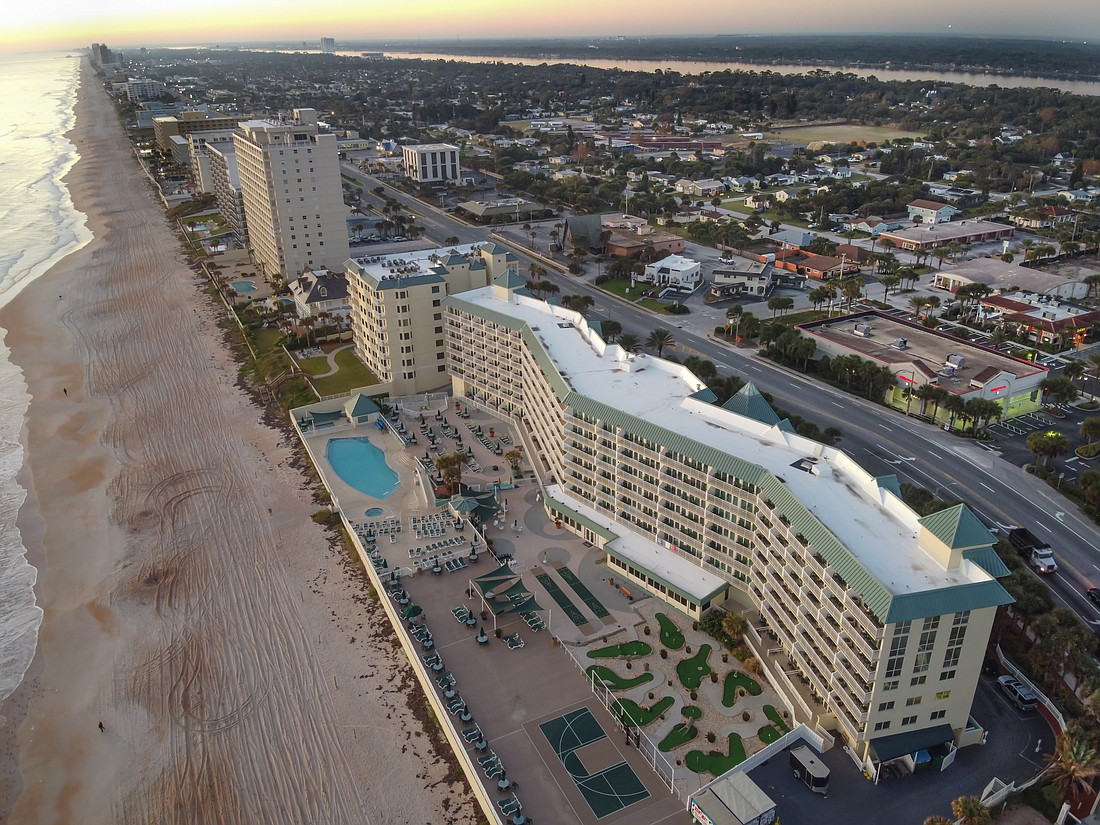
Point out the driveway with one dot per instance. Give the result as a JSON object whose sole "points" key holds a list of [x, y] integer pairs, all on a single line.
{"points": [[1009, 754]]}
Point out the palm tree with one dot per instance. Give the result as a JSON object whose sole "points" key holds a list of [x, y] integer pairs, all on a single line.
{"points": [[1074, 369], [969, 810], [851, 289], [1090, 428], [1075, 763], [889, 281], [938, 820], [1047, 444], [513, 457], [578, 303], [450, 468], [450, 240], [659, 339], [628, 341], [734, 313], [1094, 362]]}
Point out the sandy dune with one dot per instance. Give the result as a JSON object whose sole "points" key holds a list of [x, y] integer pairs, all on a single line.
{"points": [[241, 673]]}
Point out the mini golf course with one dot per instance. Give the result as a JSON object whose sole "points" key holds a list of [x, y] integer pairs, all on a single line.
{"points": [[630, 711], [671, 637], [716, 762], [614, 681], [736, 680], [681, 734], [623, 649], [777, 728], [692, 671], [691, 712]]}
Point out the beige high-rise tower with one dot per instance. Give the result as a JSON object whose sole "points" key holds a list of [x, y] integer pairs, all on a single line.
{"points": [[293, 201]]}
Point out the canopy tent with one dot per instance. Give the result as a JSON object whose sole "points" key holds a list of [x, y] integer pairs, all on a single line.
{"points": [[504, 593], [528, 606], [481, 506], [502, 572]]}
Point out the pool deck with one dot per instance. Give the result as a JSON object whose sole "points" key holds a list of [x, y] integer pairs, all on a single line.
{"points": [[508, 691]]}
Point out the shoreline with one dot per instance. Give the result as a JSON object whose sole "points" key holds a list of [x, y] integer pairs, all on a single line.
{"points": [[240, 670]]}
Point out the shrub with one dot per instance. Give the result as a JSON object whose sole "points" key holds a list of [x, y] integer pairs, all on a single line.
{"points": [[677, 309], [711, 737], [664, 653], [575, 268]]}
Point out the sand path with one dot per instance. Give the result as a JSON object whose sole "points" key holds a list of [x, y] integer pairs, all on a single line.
{"points": [[224, 648]]}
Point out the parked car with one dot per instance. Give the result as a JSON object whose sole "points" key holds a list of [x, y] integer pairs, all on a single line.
{"points": [[1094, 595], [1018, 693]]}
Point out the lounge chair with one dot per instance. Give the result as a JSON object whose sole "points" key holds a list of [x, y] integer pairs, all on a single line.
{"points": [[472, 734]]}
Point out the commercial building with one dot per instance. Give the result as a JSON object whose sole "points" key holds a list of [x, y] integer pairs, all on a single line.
{"points": [[868, 619], [1042, 318], [165, 128], [226, 181], [431, 162], [925, 211], [675, 272], [197, 145], [928, 236], [397, 314], [328, 45], [918, 356], [293, 199], [143, 88]]}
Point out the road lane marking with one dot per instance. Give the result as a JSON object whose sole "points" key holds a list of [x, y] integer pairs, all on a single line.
{"points": [[1040, 524], [886, 428]]}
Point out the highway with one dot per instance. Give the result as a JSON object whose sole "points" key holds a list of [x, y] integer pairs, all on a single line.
{"points": [[880, 439]]}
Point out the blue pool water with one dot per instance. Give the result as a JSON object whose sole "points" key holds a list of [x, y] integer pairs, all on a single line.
{"points": [[243, 286], [373, 512], [362, 465]]}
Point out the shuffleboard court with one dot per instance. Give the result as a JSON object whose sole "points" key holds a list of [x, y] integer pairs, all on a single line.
{"points": [[607, 783]]}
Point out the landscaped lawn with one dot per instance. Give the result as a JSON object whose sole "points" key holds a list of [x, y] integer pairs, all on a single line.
{"points": [[614, 681], [735, 680], [769, 734], [265, 339], [619, 286], [691, 712], [640, 716], [314, 366], [623, 649], [681, 734], [350, 375], [716, 762], [692, 671], [671, 637]]}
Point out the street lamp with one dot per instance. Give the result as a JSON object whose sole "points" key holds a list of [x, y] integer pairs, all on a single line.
{"points": [[912, 382]]}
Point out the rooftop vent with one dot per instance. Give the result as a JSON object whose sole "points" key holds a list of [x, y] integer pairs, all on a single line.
{"points": [[956, 361], [862, 330], [901, 343]]}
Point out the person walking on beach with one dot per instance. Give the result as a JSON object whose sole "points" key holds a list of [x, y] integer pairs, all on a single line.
{"points": [[65, 390], [101, 728]]}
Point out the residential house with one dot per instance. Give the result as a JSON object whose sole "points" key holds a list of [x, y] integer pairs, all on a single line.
{"points": [[759, 200], [742, 277], [700, 188], [872, 225], [779, 179], [797, 238], [926, 211], [741, 184], [321, 291], [784, 195], [1047, 216]]}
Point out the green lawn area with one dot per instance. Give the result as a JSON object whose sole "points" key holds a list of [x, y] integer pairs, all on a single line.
{"points": [[691, 712], [671, 637], [716, 762], [314, 366], [623, 649], [692, 671], [793, 318], [639, 716], [769, 734], [619, 286], [735, 680], [614, 681], [681, 734], [351, 374]]}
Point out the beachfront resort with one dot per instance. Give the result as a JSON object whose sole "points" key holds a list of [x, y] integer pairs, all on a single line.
{"points": [[606, 512]]}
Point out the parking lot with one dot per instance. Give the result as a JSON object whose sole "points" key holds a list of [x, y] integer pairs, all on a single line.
{"points": [[1015, 750]]}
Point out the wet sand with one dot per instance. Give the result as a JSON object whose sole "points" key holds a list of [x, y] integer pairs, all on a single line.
{"points": [[240, 671]]}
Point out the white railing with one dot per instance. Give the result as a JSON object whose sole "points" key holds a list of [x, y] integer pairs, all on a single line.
{"points": [[1019, 675]]}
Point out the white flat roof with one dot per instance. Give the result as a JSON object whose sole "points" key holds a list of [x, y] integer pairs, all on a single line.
{"points": [[681, 571], [871, 522]]}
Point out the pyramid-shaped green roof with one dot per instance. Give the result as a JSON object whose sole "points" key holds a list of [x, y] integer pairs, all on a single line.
{"points": [[509, 279], [748, 402], [958, 528], [889, 482], [359, 405]]}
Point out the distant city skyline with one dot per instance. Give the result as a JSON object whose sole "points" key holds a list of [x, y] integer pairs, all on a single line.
{"points": [[63, 24]]}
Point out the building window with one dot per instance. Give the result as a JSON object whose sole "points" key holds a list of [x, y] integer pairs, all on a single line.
{"points": [[912, 700], [917, 680], [882, 726], [938, 714], [883, 706], [947, 675], [943, 694], [891, 685], [908, 720]]}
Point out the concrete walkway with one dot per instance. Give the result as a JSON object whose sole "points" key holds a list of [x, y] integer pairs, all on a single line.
{"points": [[333, 367]]}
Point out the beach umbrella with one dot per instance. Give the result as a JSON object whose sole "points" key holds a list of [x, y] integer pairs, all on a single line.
{"points": [[411, 611]]}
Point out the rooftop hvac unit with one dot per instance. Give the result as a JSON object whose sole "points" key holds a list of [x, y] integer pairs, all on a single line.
{"points": [[948, 371], [863, 330], [901, 343], [956, 361]]}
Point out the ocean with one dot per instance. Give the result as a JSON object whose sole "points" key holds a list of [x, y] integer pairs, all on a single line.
{"points": [[38, 226]]}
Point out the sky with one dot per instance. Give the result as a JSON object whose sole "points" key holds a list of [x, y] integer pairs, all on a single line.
{"points": [[31, 25]]}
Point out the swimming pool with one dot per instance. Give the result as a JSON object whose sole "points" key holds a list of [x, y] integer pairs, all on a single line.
{"points": [[362, 465], [243, 286]]}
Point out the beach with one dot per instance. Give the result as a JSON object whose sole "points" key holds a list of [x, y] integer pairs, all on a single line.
{"points": [[240, 669]]}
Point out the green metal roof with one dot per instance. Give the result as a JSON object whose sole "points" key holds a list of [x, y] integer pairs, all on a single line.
{"points": [[958, 528], [580, 518], [509, 279], [748, 402], [891, 483], [988, 560], [500, 318], [359, 405]]}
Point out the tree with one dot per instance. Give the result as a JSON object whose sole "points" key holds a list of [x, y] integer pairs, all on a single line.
{"points": [[734, 313], [818, 297], [1047, 444], [578, 303], [888, 282], [611, 330], [1094, 362], [940, 253], [1074, 369], [969, 810], [450, 240], [659, 339], [981, 410], [628, 341], [450, 468], [1075, 763], [513, 457], [734, 625], [1090, 428], [851, 288], [1061, 389], [938, 820]]}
